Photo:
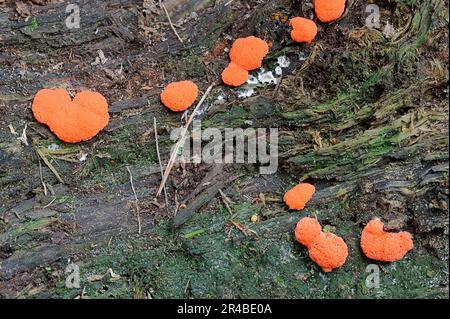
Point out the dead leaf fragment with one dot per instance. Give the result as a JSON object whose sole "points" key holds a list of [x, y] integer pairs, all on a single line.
{"points": [[94, 278], [22, 9]]}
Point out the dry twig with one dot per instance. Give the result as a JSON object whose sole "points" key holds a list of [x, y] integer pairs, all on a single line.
{"points": [[49, 165], [40, 175], [247, 232], [181, 141], [49, 204], [159, 159], [170, 22], [226, 201], [136, 201]]}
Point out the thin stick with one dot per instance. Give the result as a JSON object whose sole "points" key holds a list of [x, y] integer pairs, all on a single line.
{"points": [[181, 141], [225, 202], [12, 130], [23, 138], [159, 159], [40, 175], [49, 165], [246, 231], [171, 24], [49, 204], [277, 88], [225, 197], [136, 200]]}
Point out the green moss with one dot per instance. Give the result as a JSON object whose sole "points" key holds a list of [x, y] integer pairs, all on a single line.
{"points": [[235, 117], [33, 25], [210, 265], [27, 235]]}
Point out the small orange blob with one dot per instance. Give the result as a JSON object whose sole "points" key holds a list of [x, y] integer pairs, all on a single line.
{"points": [[328, 251], [72, 121], [234, 75], [329, 10], [384, 246], [303, 30], [325, 249], [297, 197], [249, 52], [179, 96], [307, 230]]}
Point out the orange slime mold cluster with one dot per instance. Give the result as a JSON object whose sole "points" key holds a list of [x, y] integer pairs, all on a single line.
{"points": [[72, 121], [297, 197], [325, 249], [179, 96], [246, 54], [234, 75], [303, 30], [329, 10], [384, 246]]}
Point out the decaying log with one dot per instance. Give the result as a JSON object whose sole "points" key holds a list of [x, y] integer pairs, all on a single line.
{"points": [[376, 148]]}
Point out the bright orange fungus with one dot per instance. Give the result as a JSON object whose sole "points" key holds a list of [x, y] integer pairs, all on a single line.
{"points": [[329, 10], [249, 52], [297, 197], [307, 231], [246, 54], [179, 96], [72, 121], [384, 246], [325, 249], [234, 75], [303, 30]]}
